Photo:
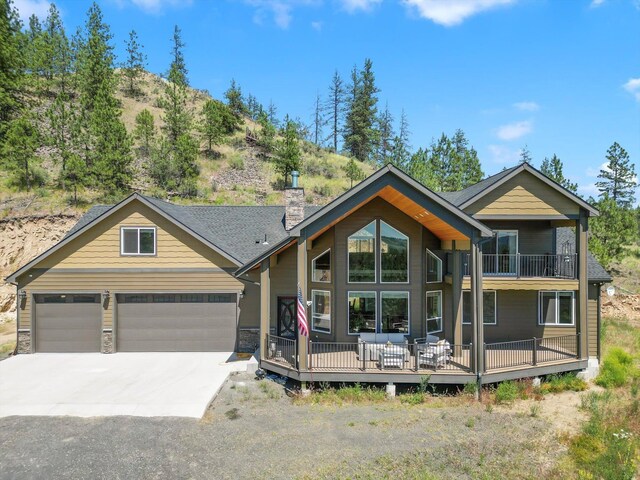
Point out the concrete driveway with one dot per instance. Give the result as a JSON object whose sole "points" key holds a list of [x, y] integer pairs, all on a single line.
{"points": [[93, 384]]}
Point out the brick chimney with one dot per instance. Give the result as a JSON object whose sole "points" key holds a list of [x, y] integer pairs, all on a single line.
{"points": [[294, 207]]}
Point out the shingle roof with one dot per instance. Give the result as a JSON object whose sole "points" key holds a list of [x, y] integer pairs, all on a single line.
{"points": [[240, 231], [565, 236], [462, 196]]}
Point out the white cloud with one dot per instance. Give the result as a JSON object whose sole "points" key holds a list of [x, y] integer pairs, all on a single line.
{"points": [[588, 190], [596, 3], [26, 8], [513, 131], [153, 6], [504, 155], [633, 87], [527, 106], [355, 5], [452, 12], [280, 10], [317, 26]]}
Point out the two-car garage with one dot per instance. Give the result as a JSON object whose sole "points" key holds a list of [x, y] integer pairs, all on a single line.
{"points": [[144, 322]]}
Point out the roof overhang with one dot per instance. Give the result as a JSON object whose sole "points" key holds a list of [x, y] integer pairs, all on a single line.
{"points": [[525, 167], [131, 198]]}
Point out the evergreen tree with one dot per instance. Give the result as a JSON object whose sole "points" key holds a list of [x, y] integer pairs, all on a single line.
{"points": [[353, 171], [75, 175], [185, 163], [177, 117], [19, 157], [553, 169], [318, 121], [56, 49], [335, 108], [11, 64], [267, 136], [611, 231], [359, 134], [216, 121], [420, 168], [134, 65], [287, 156], [618, 178], [525, 155], [145, 131], [386, 137], [272, 114], [400, 156], [34, 47], [465, 166], [235, 101], [61, 115], [254, 108]]}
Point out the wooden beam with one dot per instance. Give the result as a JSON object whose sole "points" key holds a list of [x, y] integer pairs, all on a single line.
{"points": [[265, 305], [302, 282]]}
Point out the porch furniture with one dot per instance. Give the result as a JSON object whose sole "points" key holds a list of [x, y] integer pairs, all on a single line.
{"points": [[370, 344], [433, 354], [392, 356]]}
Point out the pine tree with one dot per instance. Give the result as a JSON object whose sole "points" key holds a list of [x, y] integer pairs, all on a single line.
{"points": [[11, 64], [185, 165], [287, 156], [61, 115], [420, 168], [618, 178], [254, 108], [267, 135], [34, 54], [334, 107], [145, 131], [553, 169], [235, 101], [177, 117], [386, 136], [272, 114], [465, 168], [611, 231], [353, 171], [400, 156], [134, 65], [18, 154], [318, 120], [525, 155], [57, 50], [212, 129], [359, 134], [75, 175]]}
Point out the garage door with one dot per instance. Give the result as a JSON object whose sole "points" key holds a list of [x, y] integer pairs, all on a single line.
{"points": [[191, 322], [68, 323]]}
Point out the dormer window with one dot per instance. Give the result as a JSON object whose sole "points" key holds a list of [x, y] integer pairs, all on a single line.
{"points": [[138, 241]]}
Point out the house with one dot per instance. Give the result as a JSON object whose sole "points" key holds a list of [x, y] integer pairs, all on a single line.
{"points": [[493, 282]]}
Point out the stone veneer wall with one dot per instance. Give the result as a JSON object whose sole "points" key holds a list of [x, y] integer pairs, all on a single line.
{"points": [[107, 342], [24, 342], [248, 340]]}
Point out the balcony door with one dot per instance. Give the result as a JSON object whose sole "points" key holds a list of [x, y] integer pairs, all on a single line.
{"points": [[499, 253]]}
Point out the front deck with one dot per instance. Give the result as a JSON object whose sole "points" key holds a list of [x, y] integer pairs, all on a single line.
{"points": [[351, 362]]}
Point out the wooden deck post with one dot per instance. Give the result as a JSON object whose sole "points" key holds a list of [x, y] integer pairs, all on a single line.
{"points": [[583, 286], [302, 281], [476, 305], [456, 289], [265, 306]]}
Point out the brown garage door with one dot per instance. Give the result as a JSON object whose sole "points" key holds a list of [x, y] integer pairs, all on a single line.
{"points": [[191, 322], [68, 323]]}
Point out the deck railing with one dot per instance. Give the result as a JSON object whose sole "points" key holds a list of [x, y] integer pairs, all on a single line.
{"points": [[524, 265], [533, 351], [281, 350]]}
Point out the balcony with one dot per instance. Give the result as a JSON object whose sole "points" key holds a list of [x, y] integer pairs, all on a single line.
{"points": [[520, 265]]}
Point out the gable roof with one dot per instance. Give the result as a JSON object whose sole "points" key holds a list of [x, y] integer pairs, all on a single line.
{"points": [[237, 233], [565, 236], [473, 193]]}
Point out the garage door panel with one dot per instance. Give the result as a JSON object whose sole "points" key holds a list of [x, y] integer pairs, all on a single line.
{"points": [[180, 327], [69, 327]]}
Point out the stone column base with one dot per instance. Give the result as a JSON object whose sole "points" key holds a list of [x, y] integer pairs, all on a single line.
{"points": [[248, 340], [24, 342], [592, 370], [107, 342]]}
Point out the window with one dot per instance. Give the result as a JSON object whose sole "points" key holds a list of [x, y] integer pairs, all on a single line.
{"points": [[362, 312], [434, 268], [556, 308], [394, 308], [362, 255], [164, 298], [137, 241], [321, 268], [500, 253], [394, 255], [192, 298], [321, 311], [488, 307], [434, 311]]}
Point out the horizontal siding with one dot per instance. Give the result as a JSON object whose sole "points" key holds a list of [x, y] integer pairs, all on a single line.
{"points": [[534, 237], [140, 282], [524, 195], [284, 279], [489, 283], [592, 320]]}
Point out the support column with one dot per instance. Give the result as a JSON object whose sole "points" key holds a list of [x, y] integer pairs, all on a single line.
{"points": [[582, 228], [476, 305], [456, 289], [302, 281], [265, 305]]}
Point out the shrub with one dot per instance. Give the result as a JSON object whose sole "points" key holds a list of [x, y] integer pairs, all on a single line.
{"points": [[617, 369], [507, 392], [562, 383], [236, 162]]}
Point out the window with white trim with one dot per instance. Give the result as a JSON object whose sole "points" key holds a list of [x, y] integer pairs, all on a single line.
{"points": [[321, 311], [321, 268], [434, 311], [138, 241], [394, 312], [362, 312], [362, 255], [434, 268], [394, 255], [556, 308], [489, 299]]}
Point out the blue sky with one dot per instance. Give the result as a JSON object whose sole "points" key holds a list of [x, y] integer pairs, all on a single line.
{"points": [[560, 76]]}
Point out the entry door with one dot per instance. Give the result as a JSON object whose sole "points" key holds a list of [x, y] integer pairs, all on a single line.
{"points": [[287, 316], [507, 247]]}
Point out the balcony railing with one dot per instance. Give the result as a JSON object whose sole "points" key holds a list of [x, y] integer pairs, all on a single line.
{"points": [[524, 265], [282, 350], [533, 351]]}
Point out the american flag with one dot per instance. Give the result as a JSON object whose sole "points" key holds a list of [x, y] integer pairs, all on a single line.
{"points": [[303, 326]]}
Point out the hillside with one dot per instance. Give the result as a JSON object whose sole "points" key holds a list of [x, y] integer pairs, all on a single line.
{"points": [[235, 174]]}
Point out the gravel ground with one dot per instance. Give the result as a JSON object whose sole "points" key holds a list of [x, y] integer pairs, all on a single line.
{"points": [[253, 430]]}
